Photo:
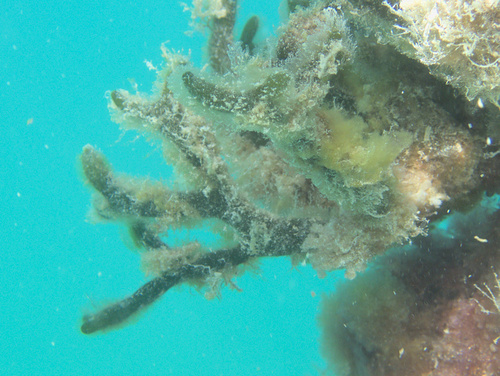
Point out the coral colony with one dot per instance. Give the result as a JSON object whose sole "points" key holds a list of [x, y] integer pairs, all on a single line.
{"points": [[361, 127]]}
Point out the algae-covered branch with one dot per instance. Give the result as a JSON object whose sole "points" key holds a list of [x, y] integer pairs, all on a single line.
{"points": [[329, 143]]}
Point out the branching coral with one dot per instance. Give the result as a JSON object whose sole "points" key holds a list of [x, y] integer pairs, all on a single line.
{"points": [[313, 149]]}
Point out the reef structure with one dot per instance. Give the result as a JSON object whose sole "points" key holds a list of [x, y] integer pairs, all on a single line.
{"points": [[328, 144], [429, 308]]}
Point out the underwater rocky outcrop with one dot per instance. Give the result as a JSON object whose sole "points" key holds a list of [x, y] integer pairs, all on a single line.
{"points": [[331, 143], [429, 308]]}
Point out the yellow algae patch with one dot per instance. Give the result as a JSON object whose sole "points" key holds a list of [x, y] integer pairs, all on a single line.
{"points": [[361, 156]]}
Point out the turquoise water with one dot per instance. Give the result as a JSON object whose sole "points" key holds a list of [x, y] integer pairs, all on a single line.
{"points": [[57, 60]]}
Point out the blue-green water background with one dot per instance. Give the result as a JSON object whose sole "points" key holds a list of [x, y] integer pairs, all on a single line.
{"points": [[57, 60]]}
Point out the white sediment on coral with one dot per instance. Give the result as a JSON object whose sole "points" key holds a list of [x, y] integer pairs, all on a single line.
{"points": [[459, 40]]}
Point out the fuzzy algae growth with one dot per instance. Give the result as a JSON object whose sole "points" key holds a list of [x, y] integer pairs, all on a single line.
{"points": [[360, 156], [327, 144]]}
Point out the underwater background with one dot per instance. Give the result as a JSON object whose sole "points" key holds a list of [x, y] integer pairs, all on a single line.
{"points": [[57, 60], [433, 302]]}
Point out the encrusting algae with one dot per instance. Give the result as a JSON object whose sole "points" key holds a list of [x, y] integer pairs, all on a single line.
{"points": [[329, 144]]}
